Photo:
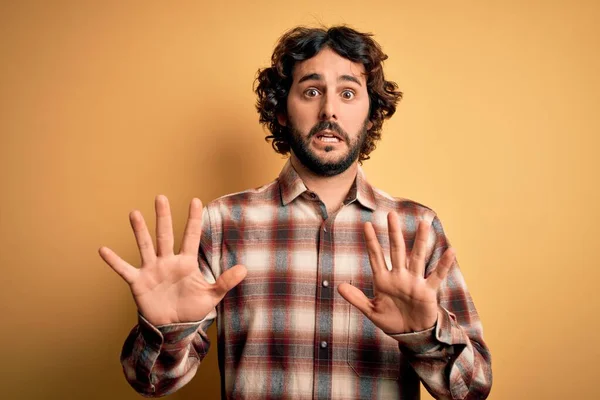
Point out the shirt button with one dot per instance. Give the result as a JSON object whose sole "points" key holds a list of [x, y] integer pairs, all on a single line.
{"points": [[325, 283], [323, 344]]}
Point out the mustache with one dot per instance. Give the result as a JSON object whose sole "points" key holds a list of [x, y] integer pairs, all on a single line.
{"points": [[328, 125]]}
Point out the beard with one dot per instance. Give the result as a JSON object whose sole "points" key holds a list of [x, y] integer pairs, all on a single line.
{"points": [[301, 148]]}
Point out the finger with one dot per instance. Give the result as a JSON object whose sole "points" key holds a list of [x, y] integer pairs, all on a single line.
{"points": [[356, 297], [397, 246], [441, 271], [193, 229], [120, 266], [164, 226], [416, 263], [142, 237], [228, 280], [374, 250]]}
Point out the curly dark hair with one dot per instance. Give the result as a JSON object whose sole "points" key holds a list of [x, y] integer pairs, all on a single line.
{"points": [[302, 43]]}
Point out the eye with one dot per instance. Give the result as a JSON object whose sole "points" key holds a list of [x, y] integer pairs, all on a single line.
{"points": [[312, 92], [348, 94]]}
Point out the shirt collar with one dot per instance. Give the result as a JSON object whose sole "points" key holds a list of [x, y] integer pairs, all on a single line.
{"points": [[292, 186], [365, 193]]}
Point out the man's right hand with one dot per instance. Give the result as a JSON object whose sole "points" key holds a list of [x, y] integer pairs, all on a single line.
{"points": [[169, 288]]}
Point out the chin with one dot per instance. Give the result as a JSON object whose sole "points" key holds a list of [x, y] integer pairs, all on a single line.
{"points": [[331, 158]]}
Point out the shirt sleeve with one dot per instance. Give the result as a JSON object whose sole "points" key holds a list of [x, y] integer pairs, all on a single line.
{"points": [[159, 360], [451, 358]]}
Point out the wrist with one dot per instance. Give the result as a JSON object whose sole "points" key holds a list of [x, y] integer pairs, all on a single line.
{"points": [[414, 327], [156, 320], [425, 326]]}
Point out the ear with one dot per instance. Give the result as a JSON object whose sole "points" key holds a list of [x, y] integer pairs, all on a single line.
{"points": [[369, 125], [282, 119]]}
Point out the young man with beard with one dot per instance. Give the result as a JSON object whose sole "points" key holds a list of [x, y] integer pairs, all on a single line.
{"points": [[325, 287]]}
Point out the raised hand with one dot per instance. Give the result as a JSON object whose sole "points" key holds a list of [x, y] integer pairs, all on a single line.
{"points": [[404, 300], [169, 288]]}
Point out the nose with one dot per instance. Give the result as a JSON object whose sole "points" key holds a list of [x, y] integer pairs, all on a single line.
{"points": [[328, 111]]}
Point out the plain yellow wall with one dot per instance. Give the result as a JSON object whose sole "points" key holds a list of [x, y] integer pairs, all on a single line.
{"points": [[105, 104]]}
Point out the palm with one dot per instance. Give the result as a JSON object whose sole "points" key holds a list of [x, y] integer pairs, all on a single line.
{"points": [[170, 288], [404, 301], [176, 282], [397, 304]]}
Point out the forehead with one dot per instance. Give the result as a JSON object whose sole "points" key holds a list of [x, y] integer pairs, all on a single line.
{"points": [[330, 65]]}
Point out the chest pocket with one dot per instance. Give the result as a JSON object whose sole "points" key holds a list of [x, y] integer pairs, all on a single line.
{"points": [[371, 353]]}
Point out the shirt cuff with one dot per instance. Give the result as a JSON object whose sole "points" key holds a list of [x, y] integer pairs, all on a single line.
{"points": [[445, 332], [170, 336], [418, 342]]}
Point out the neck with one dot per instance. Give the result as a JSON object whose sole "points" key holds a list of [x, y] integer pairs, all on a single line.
{"points": [[332, 190]]}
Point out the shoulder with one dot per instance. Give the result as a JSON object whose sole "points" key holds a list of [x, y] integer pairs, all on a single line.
{"points": [[411, 213], [233, 204], [405, 208]]}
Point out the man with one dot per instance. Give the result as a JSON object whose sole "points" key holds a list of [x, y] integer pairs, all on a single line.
{"points": [[325, 287]]}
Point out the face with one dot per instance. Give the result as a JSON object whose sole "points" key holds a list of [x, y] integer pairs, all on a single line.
{"points": [[327, 112]]}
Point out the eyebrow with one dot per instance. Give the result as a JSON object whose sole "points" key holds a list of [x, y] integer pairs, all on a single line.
{"points": [[318, 77]]}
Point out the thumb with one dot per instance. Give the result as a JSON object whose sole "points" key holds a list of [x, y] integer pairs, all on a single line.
{"points": [[356, 297], [229, 279]]}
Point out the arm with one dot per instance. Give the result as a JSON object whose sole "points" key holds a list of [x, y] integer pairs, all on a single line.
{"points": [[159, 360], [176, 296], [429, 310], [451, 358]]}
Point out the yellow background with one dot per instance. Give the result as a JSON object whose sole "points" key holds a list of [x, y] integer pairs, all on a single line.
{"points": [[105, 104]]}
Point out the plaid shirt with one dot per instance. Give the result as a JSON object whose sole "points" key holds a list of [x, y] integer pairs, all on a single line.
{"points": [[286, 333]]}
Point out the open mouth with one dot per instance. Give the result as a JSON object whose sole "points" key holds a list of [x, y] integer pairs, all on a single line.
{"points": [[329, 137]]}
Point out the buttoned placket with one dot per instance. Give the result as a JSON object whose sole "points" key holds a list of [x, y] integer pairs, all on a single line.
{"points": [[324, 305]]}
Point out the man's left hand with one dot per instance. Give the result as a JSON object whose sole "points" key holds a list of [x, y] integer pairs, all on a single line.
{"points": [[404, 300]]}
